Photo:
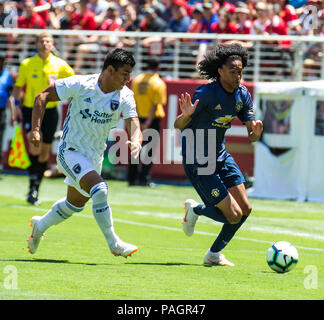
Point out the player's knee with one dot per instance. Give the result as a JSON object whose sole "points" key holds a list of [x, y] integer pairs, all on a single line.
{"points": [[247, 209], [235, 217], [99, 192]]}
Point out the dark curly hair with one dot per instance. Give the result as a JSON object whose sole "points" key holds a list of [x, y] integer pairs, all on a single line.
{"points": [[208, 67]]}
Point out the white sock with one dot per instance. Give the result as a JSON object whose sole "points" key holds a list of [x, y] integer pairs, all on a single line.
{"points": [[102, 212], [60, 211]]}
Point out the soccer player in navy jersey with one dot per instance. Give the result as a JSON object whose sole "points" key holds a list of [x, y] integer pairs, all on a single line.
{"points": [[203, 122]]}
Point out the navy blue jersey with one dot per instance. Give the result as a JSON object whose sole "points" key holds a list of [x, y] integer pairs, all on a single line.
{"points": [[215, 111]]}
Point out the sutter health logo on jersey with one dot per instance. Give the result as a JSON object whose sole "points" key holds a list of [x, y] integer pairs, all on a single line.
{"points": [[96, 116]]}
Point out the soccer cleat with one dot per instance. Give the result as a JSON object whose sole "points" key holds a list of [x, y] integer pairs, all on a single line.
{"points": [[216, 259], [35, 237], [190, 218], [121, 248], [32, 197]]}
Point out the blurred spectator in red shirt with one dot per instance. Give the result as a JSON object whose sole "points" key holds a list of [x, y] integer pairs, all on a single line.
{"points": [[243, 20], [43, 14], [84, 18], [30, 19], [277, 25], [244, 23], [263, 18], [289, 15], [220, 4], [112, 20], [225, 23], [268, 21]]}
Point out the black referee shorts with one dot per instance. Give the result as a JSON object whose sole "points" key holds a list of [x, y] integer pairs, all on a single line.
{"points": [[49, 123]]}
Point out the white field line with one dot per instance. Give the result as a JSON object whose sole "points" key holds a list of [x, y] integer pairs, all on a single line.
{"points": [[269, 230]]}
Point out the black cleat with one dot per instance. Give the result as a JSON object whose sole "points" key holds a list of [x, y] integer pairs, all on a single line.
{"points": [[32, 197]]}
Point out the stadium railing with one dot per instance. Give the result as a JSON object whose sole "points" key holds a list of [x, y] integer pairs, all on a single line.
{"points": [[272, 58]]}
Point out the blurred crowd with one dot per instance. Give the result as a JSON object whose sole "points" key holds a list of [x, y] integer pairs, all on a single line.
{"points": [[261, 17], [232, 16]]}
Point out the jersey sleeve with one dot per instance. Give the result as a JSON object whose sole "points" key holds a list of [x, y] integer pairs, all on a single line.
{"points": [[67, 87], [129, 107], [199, 94], [247, 112]]}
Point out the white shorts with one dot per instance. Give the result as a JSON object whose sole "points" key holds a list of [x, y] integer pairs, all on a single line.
{"points": [[74, 166]]}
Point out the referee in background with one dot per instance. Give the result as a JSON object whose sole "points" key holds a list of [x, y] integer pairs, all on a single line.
{"points": [[150, 93], [34, 75]]}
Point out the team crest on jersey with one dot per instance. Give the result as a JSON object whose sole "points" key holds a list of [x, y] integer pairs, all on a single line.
{"points": [[215, 193], [77, 168], [218, 107], [223, 122], [114, 105], [85, 113], [88, 100], [239, 106]]}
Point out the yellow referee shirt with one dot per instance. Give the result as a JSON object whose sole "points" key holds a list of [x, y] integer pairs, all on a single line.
{"points": [[149, 90], [37, 74]]}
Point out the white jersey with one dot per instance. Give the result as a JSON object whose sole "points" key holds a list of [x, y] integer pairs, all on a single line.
{"points": [[92, 113]]}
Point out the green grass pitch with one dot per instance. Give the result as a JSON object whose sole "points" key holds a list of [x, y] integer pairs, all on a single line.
{"points": [[74, 262]]}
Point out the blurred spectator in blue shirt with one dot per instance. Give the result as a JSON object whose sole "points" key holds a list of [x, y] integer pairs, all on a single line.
{"points": [[5, 91]]}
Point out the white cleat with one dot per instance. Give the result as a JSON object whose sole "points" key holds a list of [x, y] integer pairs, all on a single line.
{"points": [[190, 218], [121, 248], [216, 259], [35, 237]]}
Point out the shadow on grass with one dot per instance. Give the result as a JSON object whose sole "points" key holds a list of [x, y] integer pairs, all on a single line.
{"points": [[167, 264], [164, 264], [51, 261]]}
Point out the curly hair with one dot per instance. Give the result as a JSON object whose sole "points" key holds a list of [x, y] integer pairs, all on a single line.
{"points": [[215, 59]]}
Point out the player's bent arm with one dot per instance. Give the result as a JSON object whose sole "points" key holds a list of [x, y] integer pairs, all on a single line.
{"points": [[187, 109], [134, 130], [254, 129], [41, 100], [181, 121]]}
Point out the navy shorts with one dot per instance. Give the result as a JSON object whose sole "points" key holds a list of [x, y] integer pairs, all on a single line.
{"points": [[49, 123], [213, 188]]}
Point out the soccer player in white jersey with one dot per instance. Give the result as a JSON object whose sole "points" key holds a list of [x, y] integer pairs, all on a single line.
{"points": [[96, 103]]}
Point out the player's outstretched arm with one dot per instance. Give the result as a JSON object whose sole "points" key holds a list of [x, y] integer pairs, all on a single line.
{"points": [[47, 95], [187, 109], [254, 128]]}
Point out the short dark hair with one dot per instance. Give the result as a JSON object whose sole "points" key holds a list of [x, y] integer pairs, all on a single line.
{"points": [[215, 59], [153, 62], [118, 58]]}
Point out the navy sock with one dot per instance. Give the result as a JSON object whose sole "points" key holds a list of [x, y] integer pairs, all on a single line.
{"points": [[211, 212], [40, 172], [226, 234], [32, 171]]}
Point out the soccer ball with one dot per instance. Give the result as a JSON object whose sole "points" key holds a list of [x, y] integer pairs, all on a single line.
{"points": [[282, 256]]}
